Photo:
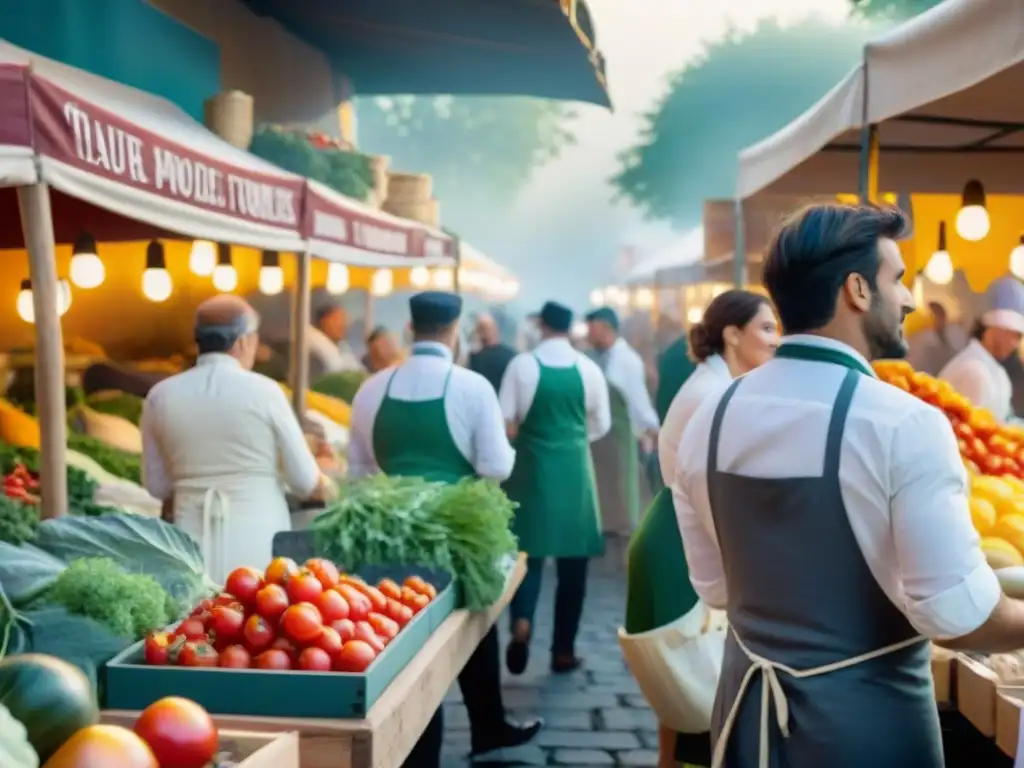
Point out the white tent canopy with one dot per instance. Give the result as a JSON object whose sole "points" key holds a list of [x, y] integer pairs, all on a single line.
{"points": [[686, 250], [944, 90]]}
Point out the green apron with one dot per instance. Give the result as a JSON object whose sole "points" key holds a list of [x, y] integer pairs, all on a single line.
{"points": [[553, 478], [412, 438]]}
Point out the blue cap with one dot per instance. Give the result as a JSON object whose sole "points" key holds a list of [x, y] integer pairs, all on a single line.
{"points": [[555, 316], [434, 309], [604, 315]]}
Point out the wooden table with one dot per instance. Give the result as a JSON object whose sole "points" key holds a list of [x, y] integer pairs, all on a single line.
{"points": [[386, 736]]}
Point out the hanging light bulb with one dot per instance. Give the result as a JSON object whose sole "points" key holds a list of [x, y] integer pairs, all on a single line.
{"points": [[694, 314], [444, 279], [1017, 260], [26, 310], [972, 221], [86, 267], [597, 297], [337, 278], [63, 296], [156, 280], [940, 266], [225, 276], [419, 277], [203, 258], [381, 283], [271, 274]]}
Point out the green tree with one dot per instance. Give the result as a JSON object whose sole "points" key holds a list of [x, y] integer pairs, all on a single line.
{"points": [[742, 90], [897, 10], [484, 146]]}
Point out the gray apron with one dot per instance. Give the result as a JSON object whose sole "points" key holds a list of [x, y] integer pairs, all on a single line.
{"points": [[821, 670]]}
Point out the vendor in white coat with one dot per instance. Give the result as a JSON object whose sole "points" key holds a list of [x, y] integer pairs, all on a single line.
{"points": [[221, 443], [977, 372]]}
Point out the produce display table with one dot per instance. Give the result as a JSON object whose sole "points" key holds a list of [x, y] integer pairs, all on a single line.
{"points": [[395, 722]]}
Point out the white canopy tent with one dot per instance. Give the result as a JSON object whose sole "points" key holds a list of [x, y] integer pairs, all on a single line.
{"points": [[685, 251]]}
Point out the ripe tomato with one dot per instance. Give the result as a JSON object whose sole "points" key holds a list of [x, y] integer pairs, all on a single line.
{"points": [[191, 629], [157, 648], [273, 659], [225, 598], [205, 606], [180, 732], [329, 641], [244, 583], [286, 645], [378, 602], [359, 605], [103, 745], [355, 656], [351, 579], [345, 628], [271, 602], [280, 570], [235, 657], [304, 587], [416, 601], [226, 624], [302, 623], [364, 631], [332, 606], [193, 654], [401, 614], [324, 570], [390, 588], [421, 586], [258, 633], [385, 627], [314, 659]]}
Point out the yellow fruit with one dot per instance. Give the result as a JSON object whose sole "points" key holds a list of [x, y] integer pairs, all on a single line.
{"points": [[1015, 483], [1000, 553], [983, 515], [335, 409], [1010, 528], [17, 428], [992, 489]]}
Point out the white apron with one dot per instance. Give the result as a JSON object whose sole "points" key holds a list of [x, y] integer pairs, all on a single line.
{"points": [[234, 520]]}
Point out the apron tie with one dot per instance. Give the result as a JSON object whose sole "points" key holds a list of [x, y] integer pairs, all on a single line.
{"points": [[771, 692], [215, 515]]}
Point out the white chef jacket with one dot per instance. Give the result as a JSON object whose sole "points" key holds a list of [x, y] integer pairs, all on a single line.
{"points": [[519, 384], [902, 480], [709, 377], [982, 379], [219, 439], [625, 371], [471, 407], [336, 357]]}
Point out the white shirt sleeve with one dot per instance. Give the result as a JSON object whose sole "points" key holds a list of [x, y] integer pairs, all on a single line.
{"points": [[950, 589], [626, 372], [971, 380], [693, 508], [518, 387], [301, 472], [595, 389], [155, 475], [365, 405], [493, 456]]}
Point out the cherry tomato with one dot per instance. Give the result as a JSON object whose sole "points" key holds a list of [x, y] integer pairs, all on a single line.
{"points": [[273, 659], [235, 657], [226, 624], [364, 631], [302, 623], [416, 601], [225, 598], [345, 628], [191, 629], [324, 570], [286, 645], [205, 606], [421, 586], [332, 606], [401, 614], [179, 732], [384, 627], [390, 588], [271, 602], [193, 654], [355, 656], [304, 587], [314, 659], [258, 634], [244, 583], [280, 570], [359, 605], [158, 648], [329, 641]]}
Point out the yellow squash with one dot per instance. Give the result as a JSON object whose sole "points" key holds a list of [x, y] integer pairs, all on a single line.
{"points": [[333, 408]]}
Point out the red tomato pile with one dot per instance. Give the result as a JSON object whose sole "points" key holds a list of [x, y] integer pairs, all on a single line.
{"points": [[310, 618], [22, 485]]}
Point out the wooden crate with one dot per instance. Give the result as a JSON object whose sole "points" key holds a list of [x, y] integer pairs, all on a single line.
{"points": [[976, 694], [942, 673], [1009, 700]]}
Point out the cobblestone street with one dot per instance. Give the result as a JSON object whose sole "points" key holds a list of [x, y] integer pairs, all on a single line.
{"points": [[594, 717]]}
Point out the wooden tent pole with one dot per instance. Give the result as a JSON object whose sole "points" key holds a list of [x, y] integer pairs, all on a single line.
{"points": [[301, 303], [37, 225]]}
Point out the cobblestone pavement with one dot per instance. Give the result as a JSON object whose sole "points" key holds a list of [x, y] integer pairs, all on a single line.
{"points": [[594, 717]]}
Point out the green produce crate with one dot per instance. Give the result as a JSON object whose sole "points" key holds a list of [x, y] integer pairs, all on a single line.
{"points": [[132, 685]]}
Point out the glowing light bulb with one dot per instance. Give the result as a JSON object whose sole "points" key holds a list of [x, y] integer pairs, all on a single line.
{"points": [[203, 258], [26, 310], [1017, 260], [597, 297], [63, 297], [444, 279], [156, 284], [381, 283], [939, 268], [225, 277], [644, 298], [337, 278], [271, 275], [419, 277], [972, 222], [86, 268], [694, 315]]}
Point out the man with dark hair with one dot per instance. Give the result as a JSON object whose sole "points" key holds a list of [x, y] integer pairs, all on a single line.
{"points": [[827, 512], [493, 357], [931, 348], [431, 418], [381, 350], [329, 350]]}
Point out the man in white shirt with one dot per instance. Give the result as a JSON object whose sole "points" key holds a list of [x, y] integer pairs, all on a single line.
{"points": [[931, 348], [214, 438], [431, 418], [329, 350], [827, 512], [555, 402], [633, 419]]}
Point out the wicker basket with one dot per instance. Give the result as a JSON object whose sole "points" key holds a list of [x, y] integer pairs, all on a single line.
{"points": [[230, 115], [423, 212], [409, 188], [379, 169]]}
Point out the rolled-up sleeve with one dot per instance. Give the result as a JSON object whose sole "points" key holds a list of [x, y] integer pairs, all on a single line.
{"points": [[361, 460], [301, 472], [508, 393], [156, 476], [950, 589], [493, 455]]}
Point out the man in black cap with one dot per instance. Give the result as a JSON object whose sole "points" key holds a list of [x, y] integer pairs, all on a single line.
{"points": [[555, 402], [431, 418]]}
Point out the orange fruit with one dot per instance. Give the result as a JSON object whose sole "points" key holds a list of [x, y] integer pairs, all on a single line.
{"points": [[983, 515], [103, 746]]}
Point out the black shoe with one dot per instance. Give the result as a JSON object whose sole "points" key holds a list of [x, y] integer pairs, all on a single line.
{"points": [[511, 734], [563, 664], [517, 656]]}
